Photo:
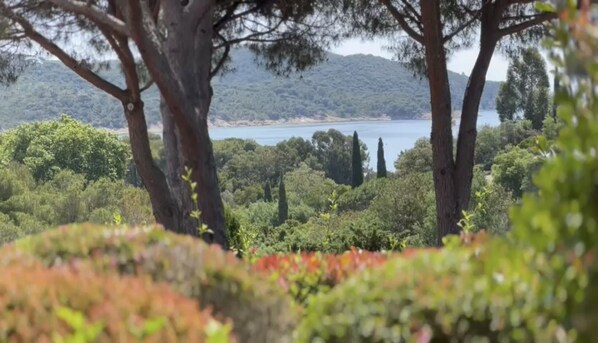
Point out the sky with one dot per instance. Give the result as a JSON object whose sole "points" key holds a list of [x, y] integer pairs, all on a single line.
{"points": [[461, 62]]}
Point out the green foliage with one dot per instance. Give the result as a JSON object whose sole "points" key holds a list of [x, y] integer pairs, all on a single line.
{"points": [[513, 170], [360, 199], [214, 278], [356, 163], [405, 208], [283, 206], [202, 228], [488, 144], [493, 140], [310, 187], [492, 204], [464, 294], [49, 147], [381, 162], [341, 86], [28, 208], [76, 306], [334, 152], [267, 192], [537, 107], [415, 160], [561, 218], [526, 89]]}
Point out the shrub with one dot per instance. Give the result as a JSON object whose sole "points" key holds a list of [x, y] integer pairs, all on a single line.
{"points": [[307, 274], [39, 305], [562, 219], [260, 312], [456, 294]]}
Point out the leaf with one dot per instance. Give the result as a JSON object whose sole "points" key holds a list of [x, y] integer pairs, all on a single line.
{"points": [[74, 319], [544, 7], [151, 326]]}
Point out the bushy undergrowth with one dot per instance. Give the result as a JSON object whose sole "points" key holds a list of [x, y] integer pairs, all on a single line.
{"points": [[216, 279], [307, 274], [464, 294], [60, 305]]}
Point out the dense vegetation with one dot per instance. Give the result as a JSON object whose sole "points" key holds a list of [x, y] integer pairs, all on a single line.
{"points": [[316, 256], [342, 86], [318, 209]]}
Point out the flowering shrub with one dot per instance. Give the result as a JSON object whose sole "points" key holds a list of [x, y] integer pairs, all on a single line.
{"points": [[58, 305], [303, 275], [463, 293], [259, 310]]}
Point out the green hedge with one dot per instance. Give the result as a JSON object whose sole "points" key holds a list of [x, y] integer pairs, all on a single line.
{"points": [[260, 312], [60, 305], [456, 294]]}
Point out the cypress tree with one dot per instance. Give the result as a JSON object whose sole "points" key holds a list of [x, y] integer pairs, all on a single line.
{"points": [[267, 192], [356, 165], [381, 172], [283, 206], [556, 85]]}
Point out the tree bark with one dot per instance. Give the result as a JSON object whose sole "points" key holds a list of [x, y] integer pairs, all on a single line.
{"points": [[189, 53], [471, 103], [442, 136], [166, 211], [174, 159]]}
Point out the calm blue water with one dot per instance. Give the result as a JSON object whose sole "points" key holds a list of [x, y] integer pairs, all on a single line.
{"points": [[398, 135]]}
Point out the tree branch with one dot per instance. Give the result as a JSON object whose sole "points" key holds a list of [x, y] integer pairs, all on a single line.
{"points": [[63, 56], [93, 13], [147, 85], [462, 27], [400, 18], [509, 30], [145, 34], [223, 58]]}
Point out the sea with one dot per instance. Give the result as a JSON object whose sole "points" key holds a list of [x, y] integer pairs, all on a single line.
{"points": [[397, 135]]}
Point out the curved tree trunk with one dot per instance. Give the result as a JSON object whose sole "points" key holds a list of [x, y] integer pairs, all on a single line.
{"points": [[470, 108], [166, 210]]}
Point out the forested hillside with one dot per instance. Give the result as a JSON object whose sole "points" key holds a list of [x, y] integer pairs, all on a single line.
{"points": [[352, 86]]}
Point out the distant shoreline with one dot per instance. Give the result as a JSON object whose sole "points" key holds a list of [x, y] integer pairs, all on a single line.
{"points": [[292, 121], [223, 124], [298, 121]]}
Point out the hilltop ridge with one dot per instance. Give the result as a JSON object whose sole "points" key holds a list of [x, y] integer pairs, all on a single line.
{"points": [[343, 87]]}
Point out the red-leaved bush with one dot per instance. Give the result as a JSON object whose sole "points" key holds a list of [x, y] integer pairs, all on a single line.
{"points": [[306, 274]]}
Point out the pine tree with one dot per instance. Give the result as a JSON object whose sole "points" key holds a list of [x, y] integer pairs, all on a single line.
{"points": [[526, 89], [381, 172], [267, 192], [356, 165], [283, 206]]}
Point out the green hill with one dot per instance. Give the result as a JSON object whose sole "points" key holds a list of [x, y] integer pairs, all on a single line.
{"points": [[351, 86]]}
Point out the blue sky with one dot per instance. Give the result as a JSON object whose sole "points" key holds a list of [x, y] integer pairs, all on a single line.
{"points": [[462, 62]]}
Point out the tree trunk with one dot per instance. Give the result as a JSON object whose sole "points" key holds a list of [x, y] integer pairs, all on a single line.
{"points": [[174, 168], [165, 209], [189, 53], [447, 214], [469, 112]]}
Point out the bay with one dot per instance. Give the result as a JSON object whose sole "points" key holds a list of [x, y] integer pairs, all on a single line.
{"points": [[398, 135]]}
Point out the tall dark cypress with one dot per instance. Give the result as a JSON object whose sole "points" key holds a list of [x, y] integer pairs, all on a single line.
{"points": [[267, 192], [381, 172], [556, 85], [356, 163], [283, 206]]}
